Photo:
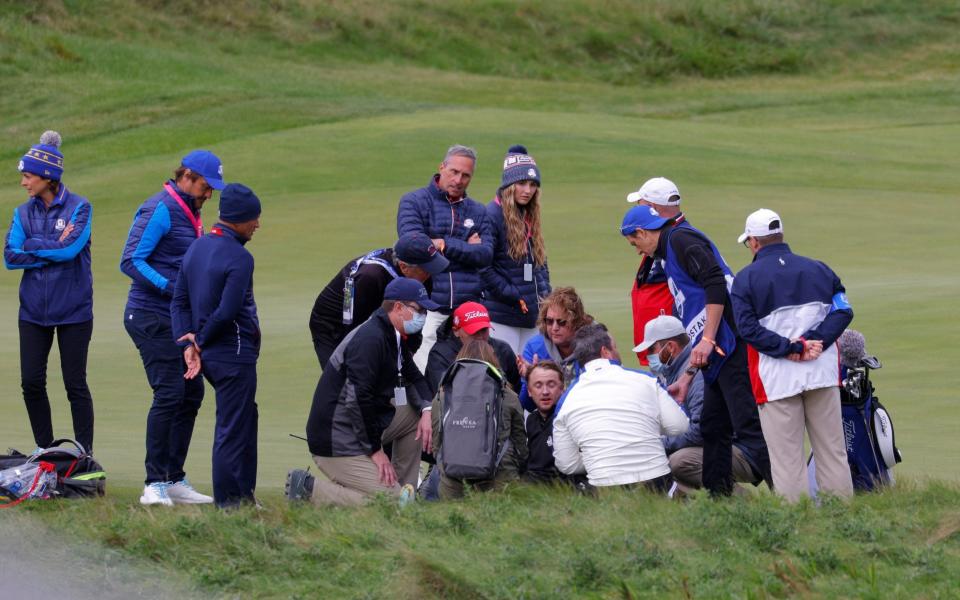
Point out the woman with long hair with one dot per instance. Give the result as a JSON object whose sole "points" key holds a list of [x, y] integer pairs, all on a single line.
{"points": [[49, 238], [518, 277]]}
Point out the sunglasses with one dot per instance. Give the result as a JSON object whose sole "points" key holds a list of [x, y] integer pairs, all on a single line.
{"points": [[549, 322]]}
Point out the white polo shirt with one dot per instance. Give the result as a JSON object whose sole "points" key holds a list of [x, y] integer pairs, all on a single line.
{"points": [[610, 426]]}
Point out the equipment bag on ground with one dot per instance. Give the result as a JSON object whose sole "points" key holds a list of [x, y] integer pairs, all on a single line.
{"points": [[64, 470]]}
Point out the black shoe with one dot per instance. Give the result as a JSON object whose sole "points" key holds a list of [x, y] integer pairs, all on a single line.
{"points": [[299, 485]]}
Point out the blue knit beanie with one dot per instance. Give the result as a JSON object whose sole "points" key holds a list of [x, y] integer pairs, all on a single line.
{"points": [[44, 159], [518, 166], [238, 204]]}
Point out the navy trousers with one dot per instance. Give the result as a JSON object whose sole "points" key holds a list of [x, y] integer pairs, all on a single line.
{"points": [[729, 408], [235, 433], [73, 341], [176, 400]]}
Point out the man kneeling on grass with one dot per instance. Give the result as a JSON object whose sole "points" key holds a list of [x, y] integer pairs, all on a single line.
{"points": [[610, 424], [371, 393]]}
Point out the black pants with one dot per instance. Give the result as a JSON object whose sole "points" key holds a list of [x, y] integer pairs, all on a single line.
{"points": [[176, 400], [729, 407], [235, 434], [73, 340]]}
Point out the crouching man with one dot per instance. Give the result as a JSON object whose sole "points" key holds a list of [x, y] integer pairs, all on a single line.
{"points": [[667, 346], [610, 424], [370, 393]]}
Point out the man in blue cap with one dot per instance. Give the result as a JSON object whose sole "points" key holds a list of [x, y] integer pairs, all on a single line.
{"points": [[370, 394], [214, 319], [163, 228], [357, 289], [699, 280]]}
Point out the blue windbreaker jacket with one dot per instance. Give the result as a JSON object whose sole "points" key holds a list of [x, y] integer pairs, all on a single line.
{"points": [[159, 237], [213, 298], [57, 283], [429, 211]]}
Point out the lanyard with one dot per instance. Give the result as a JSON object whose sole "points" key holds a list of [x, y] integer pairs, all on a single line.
{"points": [[194, 220], [399, 355]]}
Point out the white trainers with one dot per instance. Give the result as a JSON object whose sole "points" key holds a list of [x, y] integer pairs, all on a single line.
{"points": [[182, 492], [156, 493]]}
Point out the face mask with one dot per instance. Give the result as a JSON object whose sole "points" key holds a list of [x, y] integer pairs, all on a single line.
{"points": [[656, 365], [415, 324]]}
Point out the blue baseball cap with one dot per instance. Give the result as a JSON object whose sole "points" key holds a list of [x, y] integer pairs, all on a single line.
{"points": [[417, 249], [641, 217], [207, 165], [405, 289]]}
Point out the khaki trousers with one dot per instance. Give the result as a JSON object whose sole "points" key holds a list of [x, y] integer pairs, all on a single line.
{"points": [[353, 479], [783, 422], [686, 467]]}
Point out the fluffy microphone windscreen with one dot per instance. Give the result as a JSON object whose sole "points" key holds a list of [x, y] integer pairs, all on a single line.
{"points": [[853, 347]]}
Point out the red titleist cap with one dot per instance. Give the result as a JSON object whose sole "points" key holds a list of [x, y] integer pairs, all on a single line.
{"points": [[471, 317]]}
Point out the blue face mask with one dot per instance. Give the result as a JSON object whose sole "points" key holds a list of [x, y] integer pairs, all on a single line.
{"points": [[415, 324], [658, 367]]}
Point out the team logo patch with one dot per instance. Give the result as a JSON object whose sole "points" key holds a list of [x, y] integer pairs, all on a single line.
{"points": [[468, 223], [20, 166], [653, 211], [61, 224], [220, 170], [518, 160]]}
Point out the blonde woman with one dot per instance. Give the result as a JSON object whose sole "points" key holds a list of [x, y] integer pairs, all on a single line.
{"points": [[518, 277]]}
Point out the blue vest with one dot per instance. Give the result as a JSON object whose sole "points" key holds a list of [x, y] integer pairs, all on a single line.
{"points": [[690, 302]]}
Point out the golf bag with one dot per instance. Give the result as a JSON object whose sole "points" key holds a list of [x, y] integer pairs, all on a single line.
{"points": [[56, 472], [867, 427]]}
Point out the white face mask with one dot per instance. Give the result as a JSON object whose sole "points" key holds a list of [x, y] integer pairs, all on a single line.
{"points": [[415, 325]]}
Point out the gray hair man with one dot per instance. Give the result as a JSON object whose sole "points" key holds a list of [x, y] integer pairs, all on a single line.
{"points": [[610, 424], [458, 227]]}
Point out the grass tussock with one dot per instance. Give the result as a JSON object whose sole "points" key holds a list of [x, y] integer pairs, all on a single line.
{"points": [[538, 542]]}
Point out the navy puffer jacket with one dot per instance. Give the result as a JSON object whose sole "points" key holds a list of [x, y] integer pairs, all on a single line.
{"points": [[503, 281], [429, 211]]}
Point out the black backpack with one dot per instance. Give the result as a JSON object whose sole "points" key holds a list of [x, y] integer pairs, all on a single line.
{"points": [[79, 475], [470, 420]]}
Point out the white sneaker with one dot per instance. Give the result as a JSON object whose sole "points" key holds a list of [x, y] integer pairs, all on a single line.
{"points": [[156, 493], [182, 492]]}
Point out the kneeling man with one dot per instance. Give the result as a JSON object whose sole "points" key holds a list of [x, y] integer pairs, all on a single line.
{"points": [[371, 393]]}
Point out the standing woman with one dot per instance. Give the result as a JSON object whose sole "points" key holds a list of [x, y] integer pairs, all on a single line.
{"points": [[49, 239], [518, 277]]}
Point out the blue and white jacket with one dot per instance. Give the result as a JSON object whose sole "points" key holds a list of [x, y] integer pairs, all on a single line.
{"points": [[504, 285], [159, 237], [213, 298], [57, 283], [428, 210], [782, 296]]}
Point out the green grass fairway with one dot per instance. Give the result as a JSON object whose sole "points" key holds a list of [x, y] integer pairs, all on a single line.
{"points": [[862, 169], [842, 115]]}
